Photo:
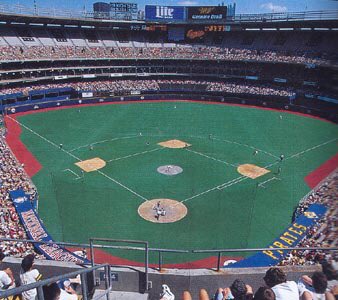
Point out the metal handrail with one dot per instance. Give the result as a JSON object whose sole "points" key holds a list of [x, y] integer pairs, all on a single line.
{"points": [[145, 249], [160, 251], [84, 245], [39, 284], [265, 249]]}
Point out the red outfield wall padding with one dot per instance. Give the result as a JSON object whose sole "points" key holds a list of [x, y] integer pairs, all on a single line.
{"points": [[321, 172], [32, 165]]}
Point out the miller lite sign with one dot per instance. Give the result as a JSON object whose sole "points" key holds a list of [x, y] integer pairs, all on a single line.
{"points": [[157, 13]]}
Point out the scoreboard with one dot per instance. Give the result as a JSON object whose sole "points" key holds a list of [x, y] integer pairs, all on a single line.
{"points": [[214, 28], [123, 7]]}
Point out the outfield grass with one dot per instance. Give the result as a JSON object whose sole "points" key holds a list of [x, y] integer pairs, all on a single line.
{"points": [[241, 215]]}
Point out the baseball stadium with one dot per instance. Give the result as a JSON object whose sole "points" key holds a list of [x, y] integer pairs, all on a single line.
{"points": [[164, 152]]}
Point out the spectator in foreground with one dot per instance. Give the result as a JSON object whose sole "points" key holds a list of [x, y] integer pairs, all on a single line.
{"points": [[6, 276], [314, 287], [264, 293], [331, 274], [53, 292], [275, 278], [166, 293], [237, 291], [67, 289], [29, 275]]}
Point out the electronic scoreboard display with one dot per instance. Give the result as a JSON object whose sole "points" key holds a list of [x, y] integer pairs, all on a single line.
{"points": [[214, 28], [123, 7]]}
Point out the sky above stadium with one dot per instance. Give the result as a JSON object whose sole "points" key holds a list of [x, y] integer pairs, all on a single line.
{"points": [[243, 6]]}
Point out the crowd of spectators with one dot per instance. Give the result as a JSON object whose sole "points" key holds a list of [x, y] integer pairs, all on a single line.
{"points": [[95, 86], [248, 89], [12, 177], [177, 52], [155, 85], [318, 286], [2, 127], [325, 231]]}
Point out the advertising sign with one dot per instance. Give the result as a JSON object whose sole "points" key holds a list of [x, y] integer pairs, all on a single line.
{"points": [[290, 237], [37, 231], [157, 13], [195, 34], [207, 13]]}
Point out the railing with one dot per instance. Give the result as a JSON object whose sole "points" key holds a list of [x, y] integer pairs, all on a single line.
{"points": [[84, 287], [288, 16], [145, 249], [160, 251], [17, 9]]}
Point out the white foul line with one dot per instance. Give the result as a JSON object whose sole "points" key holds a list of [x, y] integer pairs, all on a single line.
{"points": [[310, 149], [242, 178], [78, 159], [45, 139], [135, 154], [122, 185], [210, 157], [222, 186], [245, 145]]}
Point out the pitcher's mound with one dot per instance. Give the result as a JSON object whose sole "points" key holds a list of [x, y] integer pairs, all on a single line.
{"points": [[174, 144], [252, 171], [91, 165], [170, 170], [173, 210]]}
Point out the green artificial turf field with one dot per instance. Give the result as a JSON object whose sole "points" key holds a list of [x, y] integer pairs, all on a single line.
{"points": [[105, 203]]}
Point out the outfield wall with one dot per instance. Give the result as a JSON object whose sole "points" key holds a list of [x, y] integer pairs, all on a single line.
{"points": [[313, 107]]}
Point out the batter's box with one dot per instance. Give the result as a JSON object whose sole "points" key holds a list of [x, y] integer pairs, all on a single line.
{"points": [[251, 171], [174, 144], [92, 164]]}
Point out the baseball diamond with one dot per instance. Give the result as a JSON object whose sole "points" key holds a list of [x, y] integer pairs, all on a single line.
{"points": [[219, 200]]}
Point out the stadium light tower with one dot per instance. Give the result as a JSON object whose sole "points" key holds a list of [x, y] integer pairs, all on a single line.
{"points": [[35, 8]]}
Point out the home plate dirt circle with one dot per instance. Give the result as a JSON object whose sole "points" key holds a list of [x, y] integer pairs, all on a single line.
{"points": [[174, 210]]}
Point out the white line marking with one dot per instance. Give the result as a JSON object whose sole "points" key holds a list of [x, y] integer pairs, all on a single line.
{"points": [[245, 145], [69, 170], [192, 197], [135, 154], [210, 157], [122, 185], [214, 188], [45, 139], [312, 148], [104, 141], [78, 159], [230, 183], [238, 179], [266, 181]]}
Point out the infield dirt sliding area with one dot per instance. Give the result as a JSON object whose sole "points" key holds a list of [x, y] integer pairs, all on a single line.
{"points": [[180, 175]]}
